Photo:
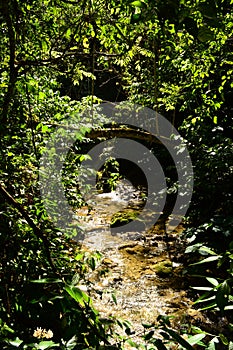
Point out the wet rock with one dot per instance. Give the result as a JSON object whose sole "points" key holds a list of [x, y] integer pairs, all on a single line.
{"points": [[154, 243], [137, 249], [131, 251], [127, 245], [108, 262], [163, 268]]}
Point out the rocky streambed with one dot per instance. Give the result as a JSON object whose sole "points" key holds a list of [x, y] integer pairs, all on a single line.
{"points": [[145, 281], [140, 275]]}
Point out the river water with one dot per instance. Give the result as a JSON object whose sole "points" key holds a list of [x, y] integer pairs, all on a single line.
{"points": [[143, 270]]}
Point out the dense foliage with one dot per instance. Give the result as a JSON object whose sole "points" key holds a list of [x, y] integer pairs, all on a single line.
{"points": [[59, 57]]}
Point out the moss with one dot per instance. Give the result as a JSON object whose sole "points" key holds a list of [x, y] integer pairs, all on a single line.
{"points": [[163, 268], [123, 217]]}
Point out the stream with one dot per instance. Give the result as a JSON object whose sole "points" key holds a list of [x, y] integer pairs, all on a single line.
{"points": [[143, 270]]}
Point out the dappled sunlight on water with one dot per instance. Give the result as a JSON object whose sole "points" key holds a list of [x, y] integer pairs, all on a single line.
{"points": [[141, 269]]}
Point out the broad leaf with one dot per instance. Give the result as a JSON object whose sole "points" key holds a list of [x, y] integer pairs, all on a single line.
{"points": [[213, 281], [195, 339], [179, 339], [209, 259], [78, 295]]}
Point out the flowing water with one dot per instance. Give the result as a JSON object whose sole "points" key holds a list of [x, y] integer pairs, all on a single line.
{"points": [[143, 270], [97, 225]]}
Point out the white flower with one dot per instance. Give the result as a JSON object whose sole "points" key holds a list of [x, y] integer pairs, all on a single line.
{"points": [[42, 333]]}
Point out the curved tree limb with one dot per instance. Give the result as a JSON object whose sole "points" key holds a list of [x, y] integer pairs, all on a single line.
{"points": [[115, 131]]}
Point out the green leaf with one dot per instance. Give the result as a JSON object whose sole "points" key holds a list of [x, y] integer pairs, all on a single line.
{"points": [[202, 299], [42, 95], [213, 281], [17, 342], [145, 325], [78, 295], [225, 288], [222, 295], [149, 335], [47, 280], [68, 33], [131, 343], [45, 128], [193, 248], [179, 339], [72, 343], [164, 319], [44, 45], [202, 288], [210, 306], [228, 307], [128, 331], [138, 3], [135, 18], [195, 339], [209, 259], [114, 298], [224, 340], [79, 256], [84, 157], [159, 344], [6, 328], [43, 345], [206, 250], [211, 345]]}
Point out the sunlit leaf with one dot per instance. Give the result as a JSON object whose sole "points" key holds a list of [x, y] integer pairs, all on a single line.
{"points": [[43, 345], [209, 259], [207, 250], [16, 343], [138, 3], [179, 339], [228, 307], [114, 298], [203, 288], [223, 339], [213, 281], [47, 280], [78, 295], [195, 339]]}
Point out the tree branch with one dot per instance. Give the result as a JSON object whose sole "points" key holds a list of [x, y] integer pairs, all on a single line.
{"points": [[118, 132], [37, 231], [54, 60]]}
